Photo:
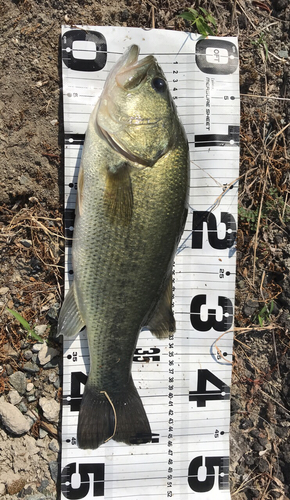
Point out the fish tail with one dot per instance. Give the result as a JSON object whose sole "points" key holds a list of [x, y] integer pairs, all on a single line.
{"points": [[104, 416]]}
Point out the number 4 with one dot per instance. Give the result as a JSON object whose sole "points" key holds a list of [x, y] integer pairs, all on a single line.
{"points": [[202, 395]]}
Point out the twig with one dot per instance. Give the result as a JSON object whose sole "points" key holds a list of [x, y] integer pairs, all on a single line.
{"points": [[115, 414], [285, 205], [258, 225], [278, 133], [273, 399], [265, 97], [245, 13], [276, 354]]}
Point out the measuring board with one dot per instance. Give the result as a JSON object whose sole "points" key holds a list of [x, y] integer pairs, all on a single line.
{"points": [[183, 381]]}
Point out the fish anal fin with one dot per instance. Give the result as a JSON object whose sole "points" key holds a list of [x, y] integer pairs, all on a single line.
{"points": [[118, 196], [162, 322], [70, 321]]}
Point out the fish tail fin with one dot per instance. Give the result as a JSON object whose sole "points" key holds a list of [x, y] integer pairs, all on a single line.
{"points": [[104, 416], [132, 423], [96, 419]]}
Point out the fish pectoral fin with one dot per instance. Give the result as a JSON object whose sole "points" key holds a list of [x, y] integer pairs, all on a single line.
{"points": [[79, 203], [118, 196], [70, 321], [162, 322]]}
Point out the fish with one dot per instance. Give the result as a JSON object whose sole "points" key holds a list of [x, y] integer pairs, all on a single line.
{"points": [[132, 200]]}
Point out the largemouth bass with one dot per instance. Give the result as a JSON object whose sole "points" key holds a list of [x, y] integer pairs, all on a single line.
{"points": [[131, 210]]}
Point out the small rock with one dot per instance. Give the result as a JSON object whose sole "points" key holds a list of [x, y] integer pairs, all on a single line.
{"points": [[53, 467], [8, 351], [4, 290], [54, 363], [26, 243], [28, 355], [30, 367], [257, 446], [25, 492], [29, 386], [53, 312], [37, 496], [23, 180], [54, 122], [31, 445], [32, 417], [52, 377], [13, 419], [46, 354], [37, 347], [246, 423], [9, 369], [22, 407], [14, 397], [2, 489], [31, 398], [18, 381], [40, 330], [250, 307], [283, 53], [43, 485], [124, 15], [54, 446], [50, 409], [56, 384], [42, 433]]}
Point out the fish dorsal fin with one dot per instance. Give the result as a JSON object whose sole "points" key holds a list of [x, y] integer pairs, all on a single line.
{"points": [[118, 196], [79, 204], [162, 322]]}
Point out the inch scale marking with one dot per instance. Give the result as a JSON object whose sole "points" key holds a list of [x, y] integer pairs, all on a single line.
{"points": [[184, 381]]}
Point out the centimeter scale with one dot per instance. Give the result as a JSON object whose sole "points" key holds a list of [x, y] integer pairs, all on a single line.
{"points": [[184, 381]]}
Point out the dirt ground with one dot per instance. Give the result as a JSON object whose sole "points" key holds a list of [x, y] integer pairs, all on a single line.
{"points": [[31, 208]]}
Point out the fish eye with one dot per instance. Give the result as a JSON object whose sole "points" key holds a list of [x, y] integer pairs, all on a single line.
{"points": [[158, 84]]}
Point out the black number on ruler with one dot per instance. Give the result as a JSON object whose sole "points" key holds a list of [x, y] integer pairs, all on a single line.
{"points": [[232, 138], [144, 356], [222, 463], [198, 219], [202, 395], [72, 493], [211, 322], [71, 57], [74, 400], [216, 57]]}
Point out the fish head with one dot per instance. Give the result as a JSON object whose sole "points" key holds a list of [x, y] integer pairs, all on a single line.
{"points": [[136, 113]]}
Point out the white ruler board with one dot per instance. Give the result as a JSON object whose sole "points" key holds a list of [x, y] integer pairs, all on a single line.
{"points": [[184, 381]]}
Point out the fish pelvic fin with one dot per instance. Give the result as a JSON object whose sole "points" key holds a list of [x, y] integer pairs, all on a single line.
{"points": [[118, 196], [162, 322], [70, 321], [104, 416]]}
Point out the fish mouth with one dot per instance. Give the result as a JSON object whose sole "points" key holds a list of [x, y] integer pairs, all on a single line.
{"points": [[129, 72]]}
